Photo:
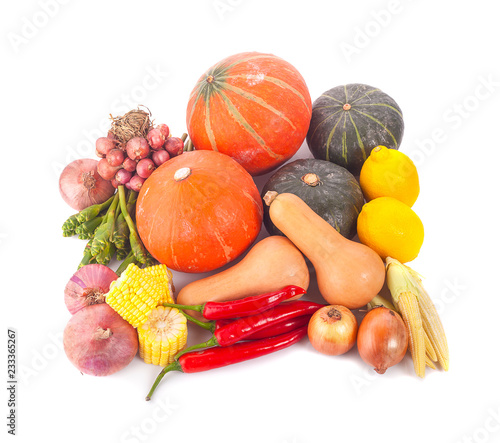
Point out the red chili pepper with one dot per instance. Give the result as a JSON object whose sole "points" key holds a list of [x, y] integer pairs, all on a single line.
{"points": [[243, 307], [280, 328], [242, 328], [218, 357], [270, 331]]}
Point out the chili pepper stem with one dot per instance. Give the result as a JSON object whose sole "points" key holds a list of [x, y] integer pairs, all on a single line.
{"points": [[174, 366], [206, 344], [208, 325], [197, 308]]}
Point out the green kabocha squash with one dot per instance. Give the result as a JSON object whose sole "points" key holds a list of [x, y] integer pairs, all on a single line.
{"points": [[348, 121], [330, 190]]}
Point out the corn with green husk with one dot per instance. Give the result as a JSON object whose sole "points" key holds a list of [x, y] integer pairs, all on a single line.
{"points": [[427, 338]]}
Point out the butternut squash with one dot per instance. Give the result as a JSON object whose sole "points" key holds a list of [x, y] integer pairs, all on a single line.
{"points": [[348, 273], [270, 265]]}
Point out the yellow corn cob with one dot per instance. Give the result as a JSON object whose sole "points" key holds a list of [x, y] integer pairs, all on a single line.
{"points": [[432, 323], [429, 362], [429, 350], [134, 295], [405, 295], [164, 276], [162, 336], [405, 278]]}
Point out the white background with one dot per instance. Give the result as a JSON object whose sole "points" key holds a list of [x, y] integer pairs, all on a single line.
{"points": [[67, 65]]}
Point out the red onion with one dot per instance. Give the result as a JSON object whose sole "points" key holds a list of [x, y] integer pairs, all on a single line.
{"points": [[87, 286], [115, 157], [174, 146], [155, 138], [135, 183], [103, 145], [106, 171], [159, 157], [129, 164], [81, 186], [145, 167], [164, 129], [98, 341], [137, 148], [123, 176]]}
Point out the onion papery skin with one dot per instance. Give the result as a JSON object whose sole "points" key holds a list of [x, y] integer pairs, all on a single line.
{"points": [[382, 338], [332, 330], [98, 341], [88, 286], [81, 185]]}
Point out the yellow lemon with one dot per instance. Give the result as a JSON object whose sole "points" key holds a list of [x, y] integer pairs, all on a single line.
{"points": [[391, 228], [389, 173]]}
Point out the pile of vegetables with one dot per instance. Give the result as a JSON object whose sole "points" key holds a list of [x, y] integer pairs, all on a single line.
{"points": [[105, 192], [155, 210]]}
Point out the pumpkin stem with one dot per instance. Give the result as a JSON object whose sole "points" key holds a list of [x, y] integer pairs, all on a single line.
{"points": [[181, 174], [311, 179], [210, 79], [346, 107]]}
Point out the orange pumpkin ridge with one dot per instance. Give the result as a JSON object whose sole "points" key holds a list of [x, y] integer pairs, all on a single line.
{"points": [[253, 107]]}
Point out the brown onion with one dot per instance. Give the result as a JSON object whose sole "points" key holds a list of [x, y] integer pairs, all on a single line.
{"points": [[332, 330], [98, 341], [88, 286], [81, 186], [382, 338]]}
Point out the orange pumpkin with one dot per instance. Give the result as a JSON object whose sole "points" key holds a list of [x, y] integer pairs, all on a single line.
{"points": [[198, 211], [253, 107]]}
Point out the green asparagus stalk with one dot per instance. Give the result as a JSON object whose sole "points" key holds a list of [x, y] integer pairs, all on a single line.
{"points": [[94, 210], [136, 244]]}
